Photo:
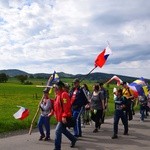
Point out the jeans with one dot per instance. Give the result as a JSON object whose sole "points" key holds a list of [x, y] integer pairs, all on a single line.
{"points": [[142, 111], [60, 128], [44, 120], [77, 128], [120, 114]]}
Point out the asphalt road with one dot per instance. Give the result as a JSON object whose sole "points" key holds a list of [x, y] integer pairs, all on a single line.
{"points": [[138, 138]]}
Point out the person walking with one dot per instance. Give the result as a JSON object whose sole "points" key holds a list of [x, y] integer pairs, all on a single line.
{"points": [[128, 94], [143, 103], [85, 116], [62, 110], [119, 113], [97, 106], [78, 101], [44, 119], [106, 97]]}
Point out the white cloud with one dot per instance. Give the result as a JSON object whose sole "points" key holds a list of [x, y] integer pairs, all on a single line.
{"points": [[42, 36]]}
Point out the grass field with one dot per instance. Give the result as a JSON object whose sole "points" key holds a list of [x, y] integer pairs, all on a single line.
{"points": [[13, 94]]}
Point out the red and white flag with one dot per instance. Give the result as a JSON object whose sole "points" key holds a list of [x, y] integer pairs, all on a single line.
{"points": [[22, 113], [119, 81]]}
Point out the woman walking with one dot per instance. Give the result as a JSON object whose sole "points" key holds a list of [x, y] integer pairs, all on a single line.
{"points": [[97, 107]]}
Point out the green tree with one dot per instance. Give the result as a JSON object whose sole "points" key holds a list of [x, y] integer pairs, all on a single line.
{"points": [[3, 78], [22, 78]]}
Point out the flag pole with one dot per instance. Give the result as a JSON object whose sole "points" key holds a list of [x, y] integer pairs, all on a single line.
{"points": [[37, 111], [88, 74], [107, 81]]}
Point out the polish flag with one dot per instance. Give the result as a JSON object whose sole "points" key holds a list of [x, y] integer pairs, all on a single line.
{"points": [[22, 113]]}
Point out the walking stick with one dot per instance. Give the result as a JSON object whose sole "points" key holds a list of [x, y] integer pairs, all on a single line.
{"points": [[38, 109]]}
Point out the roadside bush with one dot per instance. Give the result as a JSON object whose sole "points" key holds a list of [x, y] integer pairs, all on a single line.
{"points": [[28, 83]]}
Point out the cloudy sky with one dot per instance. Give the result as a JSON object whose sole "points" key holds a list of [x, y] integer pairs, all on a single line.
{"points": [[40, 36]]}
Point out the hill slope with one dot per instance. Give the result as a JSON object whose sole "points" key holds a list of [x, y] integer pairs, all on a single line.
{"points": [[13, 72], [97, 76]]}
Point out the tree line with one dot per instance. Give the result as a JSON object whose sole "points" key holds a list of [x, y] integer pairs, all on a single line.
{"points": [[22, 78]]}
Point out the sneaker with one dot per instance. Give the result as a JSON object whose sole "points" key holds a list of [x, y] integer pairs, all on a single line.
{"points": [[82, 126], [95, 130], [73, 143], [114, 136], [41, 137]]}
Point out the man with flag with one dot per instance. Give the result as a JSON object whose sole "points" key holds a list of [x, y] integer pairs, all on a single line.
{"points": [[44, 119], [52, 79]]}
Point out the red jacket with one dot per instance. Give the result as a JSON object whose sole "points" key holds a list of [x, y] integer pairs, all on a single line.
{"points": [[62, 105]]}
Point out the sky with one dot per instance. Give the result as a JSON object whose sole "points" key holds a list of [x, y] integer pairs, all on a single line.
{"points": [[40, 36]]}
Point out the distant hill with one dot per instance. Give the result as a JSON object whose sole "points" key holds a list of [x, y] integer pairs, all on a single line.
{"points": [[13, 72], [104, 77], [97, 76]]}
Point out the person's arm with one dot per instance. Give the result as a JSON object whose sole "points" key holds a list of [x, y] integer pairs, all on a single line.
{"points": [[65, 101], [101, 96], [131, 94], [103, 104], [46, 105]]}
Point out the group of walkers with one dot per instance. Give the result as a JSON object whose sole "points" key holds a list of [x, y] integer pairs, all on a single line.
{"points": [[84, 106], [124, 107]]}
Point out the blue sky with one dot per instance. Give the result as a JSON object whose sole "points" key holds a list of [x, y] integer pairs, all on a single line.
{"points": [[40, 36]]}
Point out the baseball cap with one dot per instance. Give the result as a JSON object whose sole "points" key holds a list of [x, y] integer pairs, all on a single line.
{"points": [[46, 90], [59, 84]]}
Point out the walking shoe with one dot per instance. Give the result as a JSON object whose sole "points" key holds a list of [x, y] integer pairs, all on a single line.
{"points": [[125, 133], [114, 136], [95, 130], [46, 139], [41, 137], [73, 143], [78, 136]]}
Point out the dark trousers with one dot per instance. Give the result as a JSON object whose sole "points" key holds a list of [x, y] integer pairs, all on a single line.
{"points": [[120, 114], [142, 111], [132, 107], [97, 118], [129, 114]]}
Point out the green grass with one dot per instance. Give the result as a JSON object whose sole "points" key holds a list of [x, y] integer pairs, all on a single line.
{"points": [[13, 94]]}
